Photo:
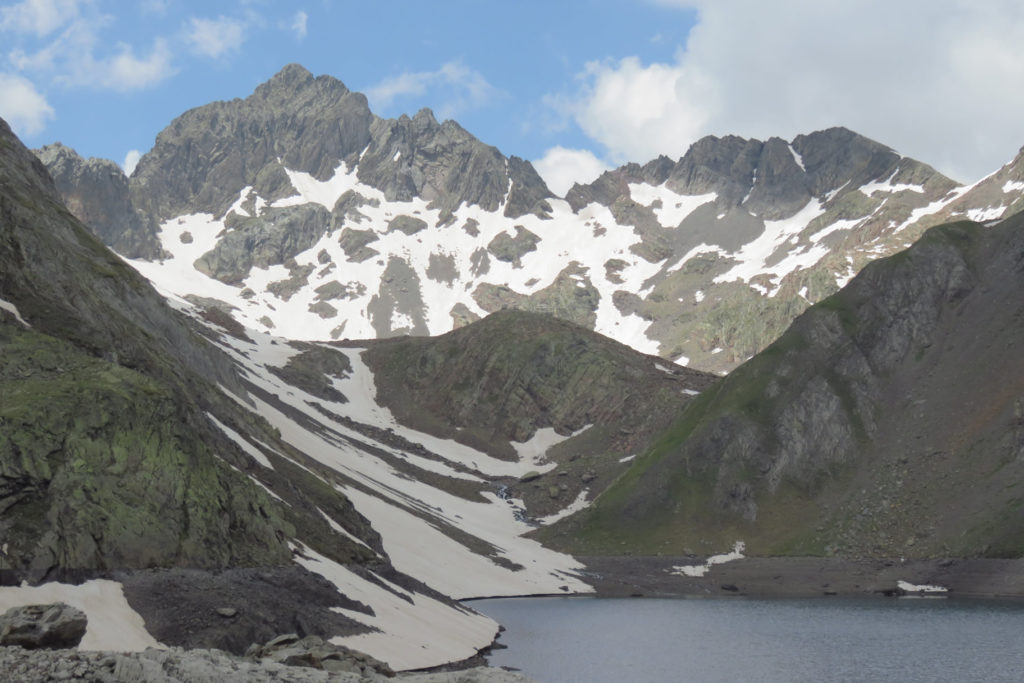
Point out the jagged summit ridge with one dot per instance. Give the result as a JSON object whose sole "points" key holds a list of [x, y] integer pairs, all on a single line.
{"points": [[307, 215], [312, 125]]}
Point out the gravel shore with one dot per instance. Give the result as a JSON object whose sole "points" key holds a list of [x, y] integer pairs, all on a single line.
{"points": [[626, 576]]}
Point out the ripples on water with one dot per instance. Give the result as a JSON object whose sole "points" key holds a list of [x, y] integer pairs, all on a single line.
{"points": [[565, 640]]}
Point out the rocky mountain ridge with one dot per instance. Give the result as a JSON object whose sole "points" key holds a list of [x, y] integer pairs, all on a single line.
{"points": [[885, 422], [307, 216]]}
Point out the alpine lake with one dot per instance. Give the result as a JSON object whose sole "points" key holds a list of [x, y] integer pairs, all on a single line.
{"points": [[596, 640]]}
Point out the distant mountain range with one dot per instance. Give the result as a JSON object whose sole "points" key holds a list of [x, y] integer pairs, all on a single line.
{"points": [[298, 211]]}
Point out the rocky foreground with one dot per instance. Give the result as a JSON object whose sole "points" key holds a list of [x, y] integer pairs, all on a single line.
{"points": [[200, 666], [39, 643]]}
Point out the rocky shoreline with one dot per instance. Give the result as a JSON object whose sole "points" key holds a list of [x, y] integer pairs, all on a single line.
{"points": [[779, 577]]}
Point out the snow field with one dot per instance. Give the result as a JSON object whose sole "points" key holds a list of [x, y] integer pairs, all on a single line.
{"points": [[415, 635], [411, 515], [697, 570]]}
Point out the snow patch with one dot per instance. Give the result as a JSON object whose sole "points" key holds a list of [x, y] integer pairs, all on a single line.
{"points": [[753, 257], [1013, 186], [985, 215], [674, 207], [249, 449], [533, 451], [696, 570], [573, 507], [924, 589], [113, 624], [13, 310], [627, 458], [410, 636], [797, 158], [889, 187]]}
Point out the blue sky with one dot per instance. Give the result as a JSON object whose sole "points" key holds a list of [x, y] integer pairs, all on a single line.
{"points": [[575, 86]]}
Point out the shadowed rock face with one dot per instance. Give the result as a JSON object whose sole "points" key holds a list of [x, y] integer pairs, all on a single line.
{"points": [[96, 192], [108, 459], [885, 421]]}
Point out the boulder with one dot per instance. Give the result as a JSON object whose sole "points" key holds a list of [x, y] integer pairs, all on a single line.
{"points": [[316, 653], [43, 626]]}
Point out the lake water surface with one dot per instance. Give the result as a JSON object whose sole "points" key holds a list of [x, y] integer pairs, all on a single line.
{"points": [[564, 640]]}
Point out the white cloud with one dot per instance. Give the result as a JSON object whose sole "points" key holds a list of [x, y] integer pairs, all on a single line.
{"points": [[639, 112], [935, 79], [125, 71], [40, 17], [23, 107], [215, 37], [78, 57], [561, 168], [461, 87], [131, 160], [157, 7], [299, 24]]}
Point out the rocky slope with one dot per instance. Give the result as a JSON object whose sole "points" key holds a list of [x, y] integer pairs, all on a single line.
{"points": [[310, 217], [495, 384], [886, 422]]}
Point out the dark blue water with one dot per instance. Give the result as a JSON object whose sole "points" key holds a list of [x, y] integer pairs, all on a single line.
{"points": [[564, 640]]}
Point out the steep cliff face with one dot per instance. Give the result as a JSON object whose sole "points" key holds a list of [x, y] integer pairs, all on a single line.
{"points": [[109, 455], [204, 159], [885, 421]]}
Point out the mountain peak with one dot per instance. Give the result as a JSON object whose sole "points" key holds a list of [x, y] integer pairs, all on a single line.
{"points": [[295, 78], [425, 114]]}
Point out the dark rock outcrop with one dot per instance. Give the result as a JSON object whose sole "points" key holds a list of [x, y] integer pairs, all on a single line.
{"points": [[314, 653], [208, 155], [272, 238], [43, 626]]}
